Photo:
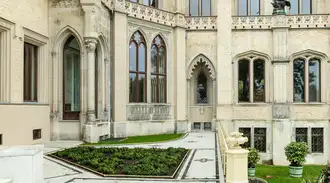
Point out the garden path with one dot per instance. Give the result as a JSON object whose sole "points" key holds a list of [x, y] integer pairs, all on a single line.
{"points": [[201, 165]]}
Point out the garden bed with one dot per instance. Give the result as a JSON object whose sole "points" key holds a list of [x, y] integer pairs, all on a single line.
{"points": [[126, 162]]}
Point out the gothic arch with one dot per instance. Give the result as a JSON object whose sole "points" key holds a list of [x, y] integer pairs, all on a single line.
{"points": [[145, 37], [201, 59], [63, 35], [252, 55], [309, 54], [162, 36]]}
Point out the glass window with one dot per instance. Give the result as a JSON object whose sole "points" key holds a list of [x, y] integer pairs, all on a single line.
{"points": [[301, 7], [206, 7], [137, 68], [246, 133], [243, 81], [317, 140], [242, 7], [254, 7], [200, 7], [259, 81], [299, 80], [30, 72], [158, 71], [260, 139], [193, 7], [314, 81], [301, 135], [294, 7]]}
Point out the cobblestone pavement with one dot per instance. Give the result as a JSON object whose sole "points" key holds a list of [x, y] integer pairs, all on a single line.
{"points": [[201, 164]]}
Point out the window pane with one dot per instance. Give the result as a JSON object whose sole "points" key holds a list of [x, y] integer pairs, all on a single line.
{"points": [[206, 7], [259, 81], [162, 89], [243, 81], [202, 89], [299, 80], [246, 133], [306, 7], [132, 88], [154, 53], [317, 140], [154, 3], [294, 7], [132, 56], [242, 7], [260, 139], [154, 84], [162, 61], [254, 9], [193, 7], [301, 135], [30, 72], [142, 58], [145, 2], [314, 81], [142, 88]]}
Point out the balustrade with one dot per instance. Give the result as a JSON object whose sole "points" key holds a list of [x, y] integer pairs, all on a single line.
{"points": [[149, 112]]}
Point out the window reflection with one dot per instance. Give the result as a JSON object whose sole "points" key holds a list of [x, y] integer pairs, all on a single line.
{"points": [[243, 81], [259, 80], [206, 7], [294, 7], [193, 7], [299, 80], [314, 81], [255, 7], [242, 7], [306, 7]]}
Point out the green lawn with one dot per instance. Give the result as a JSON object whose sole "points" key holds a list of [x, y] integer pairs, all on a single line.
{"points": [[280, 174], [140, 139]]}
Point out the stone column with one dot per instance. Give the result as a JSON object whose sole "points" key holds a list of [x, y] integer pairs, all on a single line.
{"points": [[91, 46], [282, 126], [107, 89], [237, 159], [214, 113]]}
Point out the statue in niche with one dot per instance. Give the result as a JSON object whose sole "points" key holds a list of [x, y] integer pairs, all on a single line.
{"points": [[201, 88], [279, 6]]}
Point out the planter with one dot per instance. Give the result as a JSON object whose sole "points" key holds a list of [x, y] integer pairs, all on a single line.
{"points": [[295, 171], [252, 172]]}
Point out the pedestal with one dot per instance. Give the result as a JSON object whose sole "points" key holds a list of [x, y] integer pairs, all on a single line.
{"points": [[237, 169], [24, 164]]}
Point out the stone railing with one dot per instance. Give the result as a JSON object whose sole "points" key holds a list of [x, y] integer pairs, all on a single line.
{"points": [[222, 136], [291, 21], [201, 23], [149, 112], [150, 14]]}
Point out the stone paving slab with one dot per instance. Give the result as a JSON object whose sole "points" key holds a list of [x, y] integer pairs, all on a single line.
{"points": [[202, 165]]}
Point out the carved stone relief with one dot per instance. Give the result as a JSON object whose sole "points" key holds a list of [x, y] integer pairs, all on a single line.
{"points": [[201, 59], [281, 111]]}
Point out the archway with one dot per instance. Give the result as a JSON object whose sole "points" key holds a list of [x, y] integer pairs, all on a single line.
{"points": [[201, 93], [71, 79]]}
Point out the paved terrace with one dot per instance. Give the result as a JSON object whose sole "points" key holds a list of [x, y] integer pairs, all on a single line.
{"points": [[201, 165]]}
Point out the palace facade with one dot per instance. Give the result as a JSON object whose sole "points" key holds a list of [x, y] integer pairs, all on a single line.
{"points": [[95, 69]]}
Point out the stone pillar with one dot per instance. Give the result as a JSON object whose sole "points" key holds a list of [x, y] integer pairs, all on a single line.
{"points": [[282, 126], [107, 89], [180, 66], [237, 159], [214, 113], [224, 57]]}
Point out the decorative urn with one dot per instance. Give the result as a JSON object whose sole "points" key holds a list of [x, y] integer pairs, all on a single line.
{"points": [[236, 139]]}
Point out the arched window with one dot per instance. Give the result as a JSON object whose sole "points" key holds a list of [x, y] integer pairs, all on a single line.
{"points": [[137, 68], [71, 79], [202, 88], [251, 91], [306, 80], [158, 71]]}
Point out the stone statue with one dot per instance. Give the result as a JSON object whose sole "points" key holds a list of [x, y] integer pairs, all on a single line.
{"points": [[279, 6]]}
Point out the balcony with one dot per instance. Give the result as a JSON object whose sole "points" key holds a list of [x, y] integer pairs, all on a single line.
{"points": [[201, 23], [150, 112]]}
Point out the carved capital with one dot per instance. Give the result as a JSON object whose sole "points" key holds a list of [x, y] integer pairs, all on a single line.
{"points": [[91, 44]]}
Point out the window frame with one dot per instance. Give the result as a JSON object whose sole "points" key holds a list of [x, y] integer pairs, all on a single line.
{"points": [[137, 72], [252, 136], [252, 60], [200, 9], [27, 73], [300, 8], [309, 138], [149, 3], [248, 8], [306, 79], [157, 73]]}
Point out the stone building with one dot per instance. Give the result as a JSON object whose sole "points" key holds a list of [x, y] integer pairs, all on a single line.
{"points": [[94, 69]]}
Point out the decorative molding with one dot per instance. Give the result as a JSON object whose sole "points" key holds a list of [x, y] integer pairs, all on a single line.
{"points": [[252, 55], [201, 23], [5, 24], [307, 54], [201, 59], [281, 111], [91, 44], [149, 112], [65, 4], [34, 37]]}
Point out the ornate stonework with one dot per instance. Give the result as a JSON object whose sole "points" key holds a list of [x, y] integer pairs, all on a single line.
{"points": [[281, 111], [65, 3], [201, 59], [91, 44], [201, 23]]}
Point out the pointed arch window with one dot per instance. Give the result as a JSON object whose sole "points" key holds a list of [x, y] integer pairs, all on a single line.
{"points": [[251, 80], [202, 88], [158, 71], [137, 69], [306, 80]]}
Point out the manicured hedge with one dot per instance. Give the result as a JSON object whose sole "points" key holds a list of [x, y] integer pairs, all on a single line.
{"points": [[127, 161]]}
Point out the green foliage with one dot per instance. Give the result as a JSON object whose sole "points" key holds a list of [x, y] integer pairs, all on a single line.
{"points": [[296, 153], [253, 157], [128, 161]]}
